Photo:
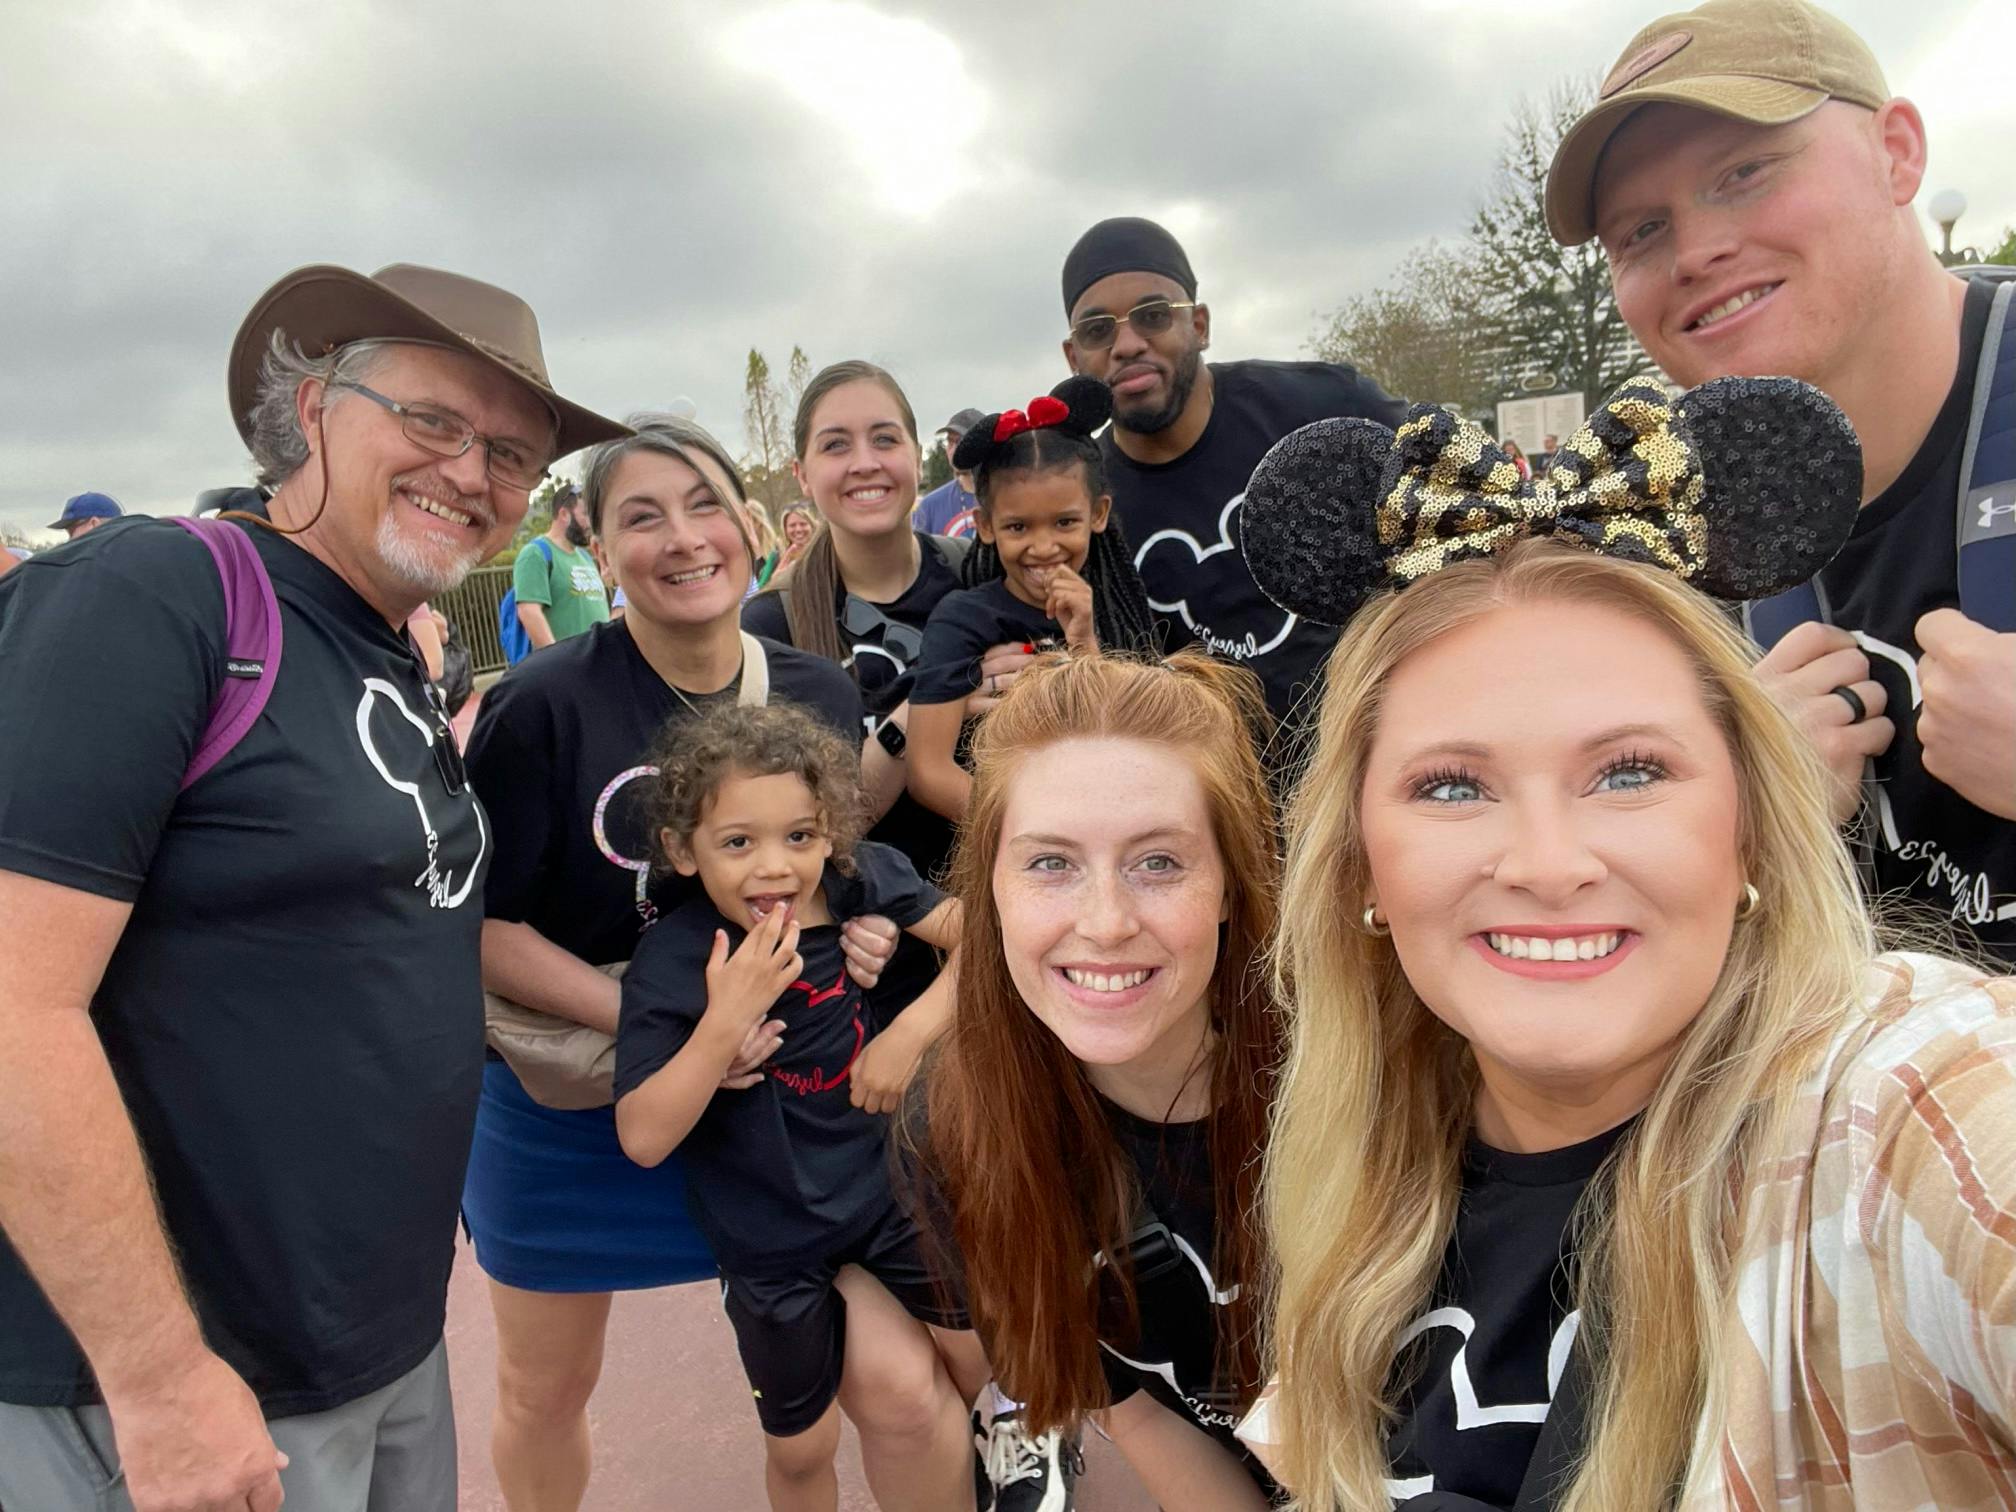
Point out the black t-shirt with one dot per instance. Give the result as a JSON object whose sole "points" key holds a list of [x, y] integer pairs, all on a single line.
{"points": [[1171, 1358], [784, 1173], [1183, 516], [1900, 564], [882, 665], [557, 753], [1492, 1348], [966, 624], [294, 1012]]}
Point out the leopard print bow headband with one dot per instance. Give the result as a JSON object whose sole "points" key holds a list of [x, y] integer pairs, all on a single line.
{"points": [[1742, 487]]}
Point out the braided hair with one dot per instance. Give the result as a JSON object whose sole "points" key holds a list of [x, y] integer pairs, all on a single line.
{"points": [[1058, 435]]}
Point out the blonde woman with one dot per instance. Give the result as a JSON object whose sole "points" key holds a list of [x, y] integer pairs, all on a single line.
{"points": [[1613, 1167]]}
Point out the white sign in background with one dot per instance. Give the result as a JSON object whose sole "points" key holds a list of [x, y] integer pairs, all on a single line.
{"points": [[1530, 421]]}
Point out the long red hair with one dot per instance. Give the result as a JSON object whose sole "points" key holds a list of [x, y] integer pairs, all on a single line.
{"points": [[1014, 1140]]}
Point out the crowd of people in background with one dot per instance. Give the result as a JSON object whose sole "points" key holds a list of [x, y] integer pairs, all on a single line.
{"points": [[1254, 920]]}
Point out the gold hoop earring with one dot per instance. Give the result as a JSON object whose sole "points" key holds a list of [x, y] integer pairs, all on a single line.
{"points": [[1370, 921], [1750, 903]]}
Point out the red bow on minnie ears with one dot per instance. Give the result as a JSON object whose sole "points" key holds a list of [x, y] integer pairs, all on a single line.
{"points": [[1042, 412]]}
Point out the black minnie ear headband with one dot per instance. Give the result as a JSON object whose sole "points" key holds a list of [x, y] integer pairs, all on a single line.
{"points": [[1743, 487], [1077, 407]]}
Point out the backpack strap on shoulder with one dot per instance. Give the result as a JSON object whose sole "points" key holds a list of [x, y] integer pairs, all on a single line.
{"points": [[952, 550], [251, 640], [1770, 620], [1985, 528], [755, 691]]}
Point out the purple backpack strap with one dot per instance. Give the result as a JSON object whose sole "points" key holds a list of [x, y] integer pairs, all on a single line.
{"points": [[251, 640]]}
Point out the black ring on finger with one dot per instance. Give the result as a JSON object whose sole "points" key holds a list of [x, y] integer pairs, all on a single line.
{"points": [[1857, 710]]}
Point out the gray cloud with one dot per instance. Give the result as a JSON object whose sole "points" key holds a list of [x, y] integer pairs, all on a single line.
{"points": [[665, 206]]}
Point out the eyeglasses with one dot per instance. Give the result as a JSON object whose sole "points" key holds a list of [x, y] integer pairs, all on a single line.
{"points": [[901, 641], [446, 435], [1151, 317]]}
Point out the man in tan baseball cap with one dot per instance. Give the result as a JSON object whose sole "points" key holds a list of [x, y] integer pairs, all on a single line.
{"points": [[1751, 180], [1767, 63]]}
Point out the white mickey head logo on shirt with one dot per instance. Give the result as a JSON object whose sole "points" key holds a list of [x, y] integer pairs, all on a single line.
{"points": [[438, 882]]}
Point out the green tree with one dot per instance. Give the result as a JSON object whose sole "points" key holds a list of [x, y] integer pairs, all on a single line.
{"points": [[1421, 335], [538, 520], [766, 465], [2006, 253], [1546, 307], [797, 373], [937, 468]]}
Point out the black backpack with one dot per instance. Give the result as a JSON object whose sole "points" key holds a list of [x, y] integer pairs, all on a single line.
{"points": [[1984, 525]]}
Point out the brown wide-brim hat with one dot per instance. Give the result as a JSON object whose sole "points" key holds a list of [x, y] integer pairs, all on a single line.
{"points": [[321, 308], [1768, 62]]}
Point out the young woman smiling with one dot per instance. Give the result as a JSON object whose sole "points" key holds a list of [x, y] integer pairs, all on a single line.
{"points": [[560, 1218], [862, 589], [1089, 1131], [1600, 1103]]}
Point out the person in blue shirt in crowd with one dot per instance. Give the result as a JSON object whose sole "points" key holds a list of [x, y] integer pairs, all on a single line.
{"points": [[948, 509]]}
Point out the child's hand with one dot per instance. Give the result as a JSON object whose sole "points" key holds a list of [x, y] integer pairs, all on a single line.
{"points": [[741, 987], [758, 1045], [877, 1081], [1069, 602], [869, 944]]}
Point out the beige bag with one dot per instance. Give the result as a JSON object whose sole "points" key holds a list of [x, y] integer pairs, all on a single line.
{"points": [[562, 1064]]}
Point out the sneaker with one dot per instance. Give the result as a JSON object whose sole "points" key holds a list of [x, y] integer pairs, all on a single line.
{"points": [[1032, 1472], [983, 1487]]}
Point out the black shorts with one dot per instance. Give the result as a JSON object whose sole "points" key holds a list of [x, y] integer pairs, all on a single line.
{"points": [[791, 1330]]}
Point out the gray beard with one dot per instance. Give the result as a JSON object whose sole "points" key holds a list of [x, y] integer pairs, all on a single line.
{"points": [[413, 567]]}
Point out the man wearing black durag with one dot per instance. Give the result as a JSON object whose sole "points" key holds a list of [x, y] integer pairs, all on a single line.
{"points": [[1186, 435]]}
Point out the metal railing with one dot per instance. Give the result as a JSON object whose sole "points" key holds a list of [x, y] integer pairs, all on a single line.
{"points": [[471, 607]]}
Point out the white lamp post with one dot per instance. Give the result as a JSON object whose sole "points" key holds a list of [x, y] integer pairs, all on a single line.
{"points": [[1947, 206]]}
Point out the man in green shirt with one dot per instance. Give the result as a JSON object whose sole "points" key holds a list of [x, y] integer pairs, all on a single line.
{"points": [[557, 583]]}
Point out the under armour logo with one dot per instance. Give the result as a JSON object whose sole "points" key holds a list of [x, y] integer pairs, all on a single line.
{"points": [[1990, 510]]}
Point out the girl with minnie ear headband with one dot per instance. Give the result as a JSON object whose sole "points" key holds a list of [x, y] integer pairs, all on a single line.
{"points": [[1052, 568]]}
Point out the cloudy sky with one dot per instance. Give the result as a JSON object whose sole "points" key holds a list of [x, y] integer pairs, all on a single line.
{"points": [[670, 182]]}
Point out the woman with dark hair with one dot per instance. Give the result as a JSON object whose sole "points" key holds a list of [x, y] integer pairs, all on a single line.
{"points": [[1089, 1133], [560, 1218], [861, 591]]}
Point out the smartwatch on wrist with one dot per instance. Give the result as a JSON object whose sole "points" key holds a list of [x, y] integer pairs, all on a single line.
{"points": [[891, 737]]}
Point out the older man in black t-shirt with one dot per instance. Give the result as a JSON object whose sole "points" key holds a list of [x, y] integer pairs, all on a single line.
{"points": [[1751, 179], [1186, 436], [242, 1013]]}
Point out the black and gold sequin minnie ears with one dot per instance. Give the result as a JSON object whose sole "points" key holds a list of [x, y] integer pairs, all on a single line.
{"points": [[1742, 487], [1077, 405]]}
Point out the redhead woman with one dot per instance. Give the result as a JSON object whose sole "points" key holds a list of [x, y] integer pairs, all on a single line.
{"points": [[559, 1216], [1614, 1168], [1091, 1126]]}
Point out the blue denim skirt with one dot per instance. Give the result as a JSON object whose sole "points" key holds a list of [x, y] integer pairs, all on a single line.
{"points": [[553, 1204]]}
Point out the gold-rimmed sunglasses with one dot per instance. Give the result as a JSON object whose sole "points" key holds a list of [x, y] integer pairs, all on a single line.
{"points": [[1151, 317]]}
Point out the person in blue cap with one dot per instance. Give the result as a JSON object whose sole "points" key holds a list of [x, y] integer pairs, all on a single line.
{"points": [[85, 513]]}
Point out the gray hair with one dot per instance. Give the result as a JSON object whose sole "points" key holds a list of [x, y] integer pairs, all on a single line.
{"points": [[664, 436], [279, 448]]}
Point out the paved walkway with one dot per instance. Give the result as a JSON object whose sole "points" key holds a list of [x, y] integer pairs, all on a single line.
{"points": [[674, 1431]]}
